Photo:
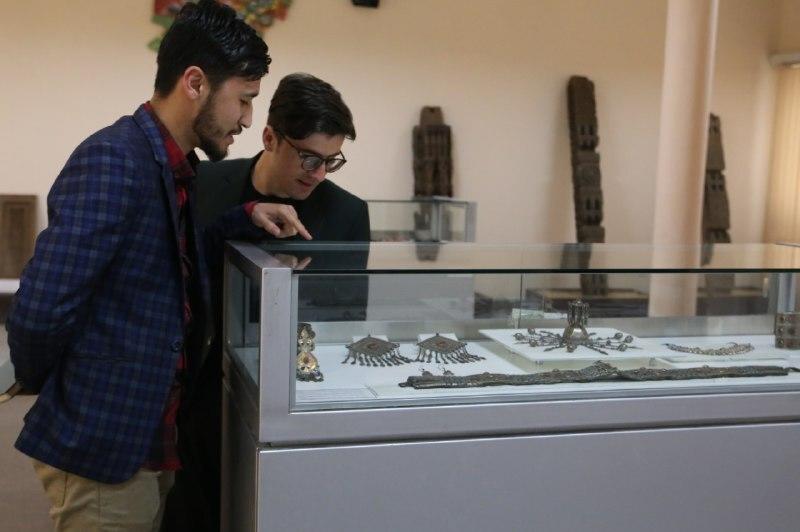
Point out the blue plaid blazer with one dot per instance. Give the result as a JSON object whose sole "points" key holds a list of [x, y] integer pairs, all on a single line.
{"points": [[96, 326]]}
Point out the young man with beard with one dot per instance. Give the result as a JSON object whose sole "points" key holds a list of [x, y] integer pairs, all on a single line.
{"points": [[106, 322], [306, 127]]}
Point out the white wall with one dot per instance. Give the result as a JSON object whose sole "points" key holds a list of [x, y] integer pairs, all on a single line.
{"points": [[499, 70], [68, 69]]}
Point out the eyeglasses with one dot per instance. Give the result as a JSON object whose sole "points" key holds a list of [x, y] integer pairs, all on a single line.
{"points": [[312, 161]]}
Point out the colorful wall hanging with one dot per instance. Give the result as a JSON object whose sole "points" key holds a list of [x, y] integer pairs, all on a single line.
{"points": [[260, 14]]}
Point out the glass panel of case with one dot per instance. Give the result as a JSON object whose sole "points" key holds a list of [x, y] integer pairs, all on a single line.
{"points": [[242, 317], [422, 220], [377, 327]]}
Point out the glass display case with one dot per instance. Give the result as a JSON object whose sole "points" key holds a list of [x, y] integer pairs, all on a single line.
{"points": [[434, 219], [342, 358]]}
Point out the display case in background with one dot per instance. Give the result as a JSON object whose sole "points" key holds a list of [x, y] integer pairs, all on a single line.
{"points": [[434, 219], [457, 381]]}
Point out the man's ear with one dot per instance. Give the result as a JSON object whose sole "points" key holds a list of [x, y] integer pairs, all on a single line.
{"points": [[194, 83], [269, 138]]}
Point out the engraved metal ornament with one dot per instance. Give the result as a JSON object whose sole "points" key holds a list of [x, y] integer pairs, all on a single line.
{"points": [[307, 364], [787, 330], [731, 349], [575, 334], [371, 351], [577, 319], [443, 350], [597, 372]]}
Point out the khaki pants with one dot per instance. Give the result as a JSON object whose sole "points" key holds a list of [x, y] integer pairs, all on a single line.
{"points": [[84, 505]]}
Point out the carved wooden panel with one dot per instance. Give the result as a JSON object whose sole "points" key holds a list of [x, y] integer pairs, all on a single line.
{"points": [[17, 233]]}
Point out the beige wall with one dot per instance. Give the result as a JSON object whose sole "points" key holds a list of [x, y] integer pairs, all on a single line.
{"points": [[744, 96], [499, 71], [788, 36]]}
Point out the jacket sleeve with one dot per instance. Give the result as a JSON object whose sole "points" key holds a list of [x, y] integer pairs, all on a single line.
{"points": [[233, 224], [88, 208]]}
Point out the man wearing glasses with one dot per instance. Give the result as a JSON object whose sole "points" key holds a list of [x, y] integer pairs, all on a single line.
{"points": [[306, 127], [284, 189]]}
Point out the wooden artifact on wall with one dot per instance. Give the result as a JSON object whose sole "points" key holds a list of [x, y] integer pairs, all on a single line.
{"points": [[17, 233], [433, 165], [433, 170], [716, 208], [586, 186]]}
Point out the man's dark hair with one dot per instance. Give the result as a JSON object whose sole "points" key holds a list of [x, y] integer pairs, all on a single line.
{"points": [[303, 105], [210, 36]]}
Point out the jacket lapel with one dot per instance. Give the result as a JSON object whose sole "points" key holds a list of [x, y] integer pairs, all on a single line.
{"points": [[145, 121]]}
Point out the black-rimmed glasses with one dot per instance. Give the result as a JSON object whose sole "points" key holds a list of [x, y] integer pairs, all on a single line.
{"points": [[311, 161]]}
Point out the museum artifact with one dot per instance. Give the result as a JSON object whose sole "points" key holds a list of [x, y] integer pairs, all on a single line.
{"points": [[17, 233], [433, 174], [716, 208], [586, 177], [617, 342], [371, 351], [787, 332], [732, 348], [307, 363], [598, 372], [577, 319], [575, 334], [443, 350], [433, 165]]}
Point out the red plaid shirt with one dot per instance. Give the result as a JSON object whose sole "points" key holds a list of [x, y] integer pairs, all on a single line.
{"points": [[164, 455]]}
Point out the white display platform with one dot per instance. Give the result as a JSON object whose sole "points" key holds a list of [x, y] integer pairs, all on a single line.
{"points": [[506, 337]]}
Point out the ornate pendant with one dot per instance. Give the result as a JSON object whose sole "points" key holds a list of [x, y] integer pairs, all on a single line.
{"points": [[307, 363], [371, 351], [443, 350]]}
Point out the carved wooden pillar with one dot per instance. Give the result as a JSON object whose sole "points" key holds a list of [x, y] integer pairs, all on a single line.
{"points": [[586, 178], [17, 233]]}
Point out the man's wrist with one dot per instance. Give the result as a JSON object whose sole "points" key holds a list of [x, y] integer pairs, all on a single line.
{"points": [[248, 208]]}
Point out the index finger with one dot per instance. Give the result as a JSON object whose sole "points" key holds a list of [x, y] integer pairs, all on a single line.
{"points": [[300, 228]]}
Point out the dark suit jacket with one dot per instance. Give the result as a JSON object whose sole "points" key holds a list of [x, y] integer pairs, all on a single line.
{"points": [[97, 323], [329, 213]]}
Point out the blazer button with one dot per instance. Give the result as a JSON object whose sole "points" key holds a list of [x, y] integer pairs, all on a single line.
{"points": [[177, 345]]}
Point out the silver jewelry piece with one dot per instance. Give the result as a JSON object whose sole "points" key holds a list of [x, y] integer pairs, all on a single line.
{"points": [[443, 350], [371, 351], [597, 372], [307, 364], [600, 344], [731, 349], [787, 330], [575, 334]]}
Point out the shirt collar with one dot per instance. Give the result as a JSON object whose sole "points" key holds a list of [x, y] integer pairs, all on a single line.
{"points": [[183, 165]]}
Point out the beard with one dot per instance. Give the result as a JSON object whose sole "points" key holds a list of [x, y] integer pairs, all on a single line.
{"points": [[208, 131]]}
